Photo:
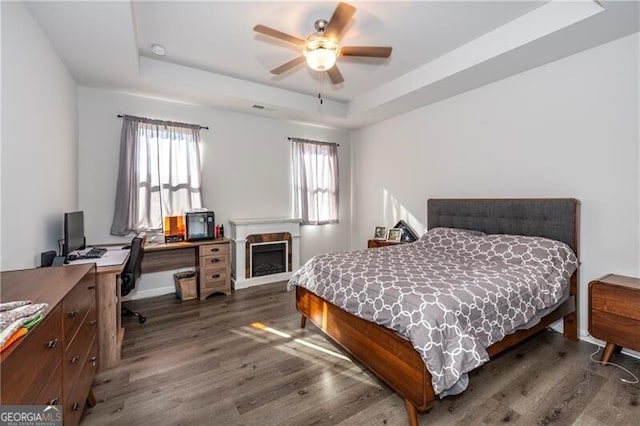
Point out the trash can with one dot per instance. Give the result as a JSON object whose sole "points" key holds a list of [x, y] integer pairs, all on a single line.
{"points": [[185, 285]]}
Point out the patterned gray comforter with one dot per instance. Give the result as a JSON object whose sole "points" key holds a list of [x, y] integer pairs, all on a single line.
{"points": [[452, 293]]}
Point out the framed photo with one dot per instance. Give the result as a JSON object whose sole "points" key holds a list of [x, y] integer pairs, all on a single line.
{"points": [[395, 234], [408, 234], [381, 233]]}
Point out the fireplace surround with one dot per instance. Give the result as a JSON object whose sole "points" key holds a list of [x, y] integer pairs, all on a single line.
{"points": [[263, 235]]}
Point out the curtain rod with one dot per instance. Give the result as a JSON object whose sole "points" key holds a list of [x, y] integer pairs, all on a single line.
{"points": [[309, 140], [167, 122]]}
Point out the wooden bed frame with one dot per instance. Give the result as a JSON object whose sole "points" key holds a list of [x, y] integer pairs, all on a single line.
{"points": [[392, 358]]}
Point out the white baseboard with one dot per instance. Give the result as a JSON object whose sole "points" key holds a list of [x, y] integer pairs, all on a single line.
{"points": [[586, 337], [145, 294], [265, 279]]}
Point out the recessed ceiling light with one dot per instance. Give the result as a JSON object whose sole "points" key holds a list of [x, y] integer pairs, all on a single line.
{"points": [[158, 49]]}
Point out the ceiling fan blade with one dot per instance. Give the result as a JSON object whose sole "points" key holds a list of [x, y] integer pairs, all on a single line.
{"points": [[278, 34], [287, 66], [335, 75], [370, 51], [339, 20]]}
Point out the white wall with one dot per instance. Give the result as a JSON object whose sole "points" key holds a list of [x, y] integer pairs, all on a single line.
{"points": [[246, 168], [567, 129], [39, 141]]}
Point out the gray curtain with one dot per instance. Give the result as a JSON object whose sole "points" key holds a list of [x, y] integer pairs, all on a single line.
{"points": [[159, 174], [315, 181]]}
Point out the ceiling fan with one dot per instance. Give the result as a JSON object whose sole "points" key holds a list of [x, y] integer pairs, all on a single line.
{"points": [[321, 49]]}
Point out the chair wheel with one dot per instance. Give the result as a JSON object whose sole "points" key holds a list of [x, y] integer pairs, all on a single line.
{"points": [[142, 319]]}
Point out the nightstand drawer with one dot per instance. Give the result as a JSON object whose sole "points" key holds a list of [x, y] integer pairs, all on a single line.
{"points": [[615, 300], [613, 328]]}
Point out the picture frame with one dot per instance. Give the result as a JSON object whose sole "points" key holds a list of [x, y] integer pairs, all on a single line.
{"points": [[408, 234], [380, 233], [394, 234]]}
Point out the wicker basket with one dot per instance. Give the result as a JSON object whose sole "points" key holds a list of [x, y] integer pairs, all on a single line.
{"points": [[185, 282]]}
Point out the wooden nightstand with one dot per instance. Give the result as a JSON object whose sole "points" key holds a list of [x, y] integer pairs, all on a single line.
{"points": [[382, 243], [614, 312]]}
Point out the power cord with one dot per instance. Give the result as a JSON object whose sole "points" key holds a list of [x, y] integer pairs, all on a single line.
{"points": [[632, 382]]}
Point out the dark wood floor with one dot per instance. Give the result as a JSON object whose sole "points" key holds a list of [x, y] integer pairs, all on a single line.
{"points": [[243, 360]]}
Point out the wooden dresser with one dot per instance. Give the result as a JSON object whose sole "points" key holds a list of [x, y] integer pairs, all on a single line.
{"points": [[214, 269], [56, 362], [614, 312]]}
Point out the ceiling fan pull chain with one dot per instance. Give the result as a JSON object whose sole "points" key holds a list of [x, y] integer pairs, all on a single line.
{"points": [[320, 97]]}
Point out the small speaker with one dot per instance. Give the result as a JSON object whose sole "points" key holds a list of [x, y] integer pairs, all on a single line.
{"points": [[46, 258]]}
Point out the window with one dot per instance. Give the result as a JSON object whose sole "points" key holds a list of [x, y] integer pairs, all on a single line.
{"points": [[315, 181], [159, 174]]}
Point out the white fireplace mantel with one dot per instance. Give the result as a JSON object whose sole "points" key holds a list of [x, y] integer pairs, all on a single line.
{"points": [[240, 229]]}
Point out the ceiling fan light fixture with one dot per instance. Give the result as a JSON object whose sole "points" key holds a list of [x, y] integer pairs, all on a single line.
{"points": [[321, 52]]}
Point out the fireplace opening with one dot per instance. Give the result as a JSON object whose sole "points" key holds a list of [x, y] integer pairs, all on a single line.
{"points": [[268, 258]]}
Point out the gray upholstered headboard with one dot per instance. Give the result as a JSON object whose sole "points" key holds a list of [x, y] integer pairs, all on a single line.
{"points": [[555, 218]]}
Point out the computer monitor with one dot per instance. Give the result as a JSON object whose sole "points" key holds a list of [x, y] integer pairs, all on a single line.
{"points": [[73, 232]]}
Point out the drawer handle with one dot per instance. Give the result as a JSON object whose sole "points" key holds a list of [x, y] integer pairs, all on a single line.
{"points": [[75, 359], [52, 343], [91, 287], [214, 276], [215, 250], [93, 361], [92, 322], [75, 407], [74, 313], [54, 401], [215, 260]]}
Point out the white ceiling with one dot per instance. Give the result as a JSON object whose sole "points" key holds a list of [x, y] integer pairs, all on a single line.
{"points": [[215, 58]]}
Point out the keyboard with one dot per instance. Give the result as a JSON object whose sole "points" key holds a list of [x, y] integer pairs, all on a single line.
{"points": [[95, 253]]}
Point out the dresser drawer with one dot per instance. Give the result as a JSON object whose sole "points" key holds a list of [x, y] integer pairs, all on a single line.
{"points": [[615, 300], [51, 394], [76, 305], [214, 249], [75, 401], [77, 353], [27, 369]]}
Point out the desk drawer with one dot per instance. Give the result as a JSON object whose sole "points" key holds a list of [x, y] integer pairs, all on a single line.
{"points": [[210, 263], [28, 368], [77, 304], [214, 279], [214, 249]]}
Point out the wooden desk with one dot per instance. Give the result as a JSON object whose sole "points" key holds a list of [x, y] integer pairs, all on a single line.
{"points": [[157, 257], [210, 258], [110, 330]]}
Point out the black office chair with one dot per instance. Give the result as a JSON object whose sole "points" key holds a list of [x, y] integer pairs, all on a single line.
{"points": [[131, 273]]}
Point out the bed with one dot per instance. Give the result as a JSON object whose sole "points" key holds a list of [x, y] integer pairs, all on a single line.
{"points": [[395, 359]]}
